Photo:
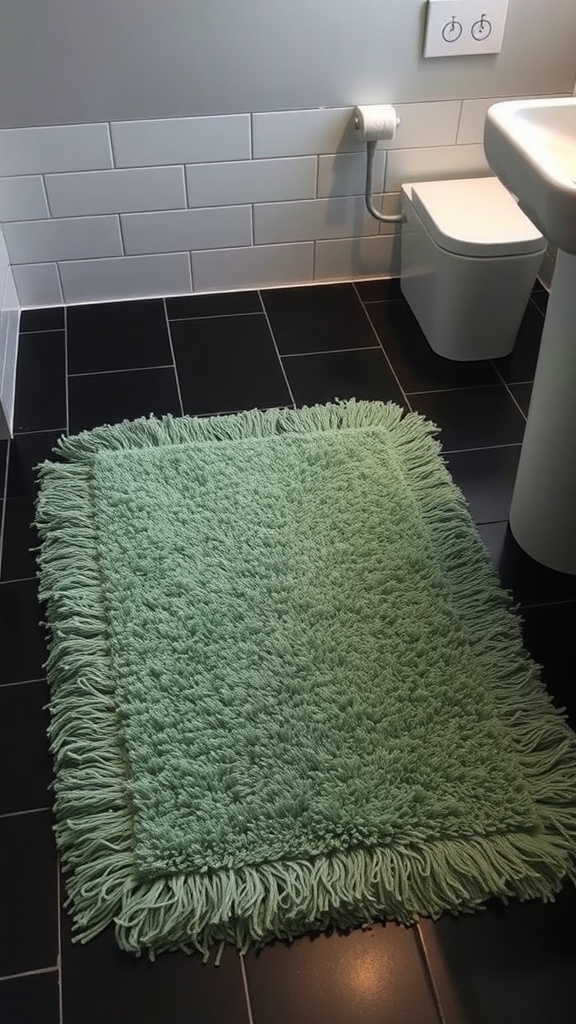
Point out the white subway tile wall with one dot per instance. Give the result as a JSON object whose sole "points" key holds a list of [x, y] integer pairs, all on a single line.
{"points": [[23, 198], [101, 211], [38, 284]]}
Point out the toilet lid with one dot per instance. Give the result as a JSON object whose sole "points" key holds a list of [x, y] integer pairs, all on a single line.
{"points": [[475, 217]]}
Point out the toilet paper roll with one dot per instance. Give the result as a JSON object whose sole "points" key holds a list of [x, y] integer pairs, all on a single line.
{"points": [[378, 121]]}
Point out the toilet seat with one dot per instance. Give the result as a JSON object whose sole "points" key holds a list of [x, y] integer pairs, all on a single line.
{"points": [[474, 217]]}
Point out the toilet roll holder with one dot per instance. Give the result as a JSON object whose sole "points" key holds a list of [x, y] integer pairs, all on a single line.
{"points": [[370, 123]]}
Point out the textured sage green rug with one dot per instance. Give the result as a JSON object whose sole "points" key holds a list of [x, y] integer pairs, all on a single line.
{"points": [[287, 689]]}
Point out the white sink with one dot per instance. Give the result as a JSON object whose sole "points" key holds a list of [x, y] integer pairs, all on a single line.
{"points": [[531, 146]]}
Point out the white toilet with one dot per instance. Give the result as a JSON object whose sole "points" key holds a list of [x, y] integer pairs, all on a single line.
{"points": [[469, 261]]}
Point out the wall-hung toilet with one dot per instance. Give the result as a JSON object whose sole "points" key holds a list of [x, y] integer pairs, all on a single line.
{"points": [[469, 259]]}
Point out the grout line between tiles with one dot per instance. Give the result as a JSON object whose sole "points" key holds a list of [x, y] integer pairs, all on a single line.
{"points": [[28, 974], [176, 375], [48, 330], [121, 230], [246, 989], [550, 604], [21, 814], [447, 391], [45, 191], [518, 406], [378, 339], [59, 935], [129, 369], [66, 387], [429, 974], [330, 351], [211, 316], [20, 579], [22, 682], [46, 430], [284, 374], [4, 499], [482, 448]]}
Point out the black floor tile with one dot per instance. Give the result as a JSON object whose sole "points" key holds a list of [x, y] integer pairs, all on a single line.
{"points": [[117, 336], [103, 984], [472, 417], [50, 319], [530, 582], [379, 290], [31, 1000], [417, 365], [520, 365], [20, 538], [228, 363], [366, 977], [540, 298], [21, 635], [28, 893], [40, 382], [522, 393], [486, 478], [506, 965], [26, 452], [112, 397], [331, 375], [25, 765], [3, 454], [318, 319], [225, 304], [550, 636]]}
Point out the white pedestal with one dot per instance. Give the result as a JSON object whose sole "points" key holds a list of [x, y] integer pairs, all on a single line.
{"points": [[543, 512]]}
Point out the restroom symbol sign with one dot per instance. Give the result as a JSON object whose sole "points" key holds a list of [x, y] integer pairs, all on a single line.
{"points": [[481, 29], [452, 30]]}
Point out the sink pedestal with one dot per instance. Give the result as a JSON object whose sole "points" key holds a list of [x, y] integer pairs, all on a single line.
{"points": [[543, 511]]}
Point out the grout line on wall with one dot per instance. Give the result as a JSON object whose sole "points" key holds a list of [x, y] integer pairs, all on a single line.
{"points": [[121, 230], [111, 143], [251, 136], [377, 336], [59, 275], [279, 358], [46, 197], [191, 272], [186, 190], [460, 112], [176, 375]]}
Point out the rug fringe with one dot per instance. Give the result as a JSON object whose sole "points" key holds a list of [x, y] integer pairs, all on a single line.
{"points": [[254, 904]]}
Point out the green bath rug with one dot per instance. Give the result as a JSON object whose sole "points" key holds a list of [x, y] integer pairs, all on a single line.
{"points": [[287, 690]]}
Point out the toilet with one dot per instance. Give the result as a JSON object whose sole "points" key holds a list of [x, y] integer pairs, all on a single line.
{"points": [[469, 260]]}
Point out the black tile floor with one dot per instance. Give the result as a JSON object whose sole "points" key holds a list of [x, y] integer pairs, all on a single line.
{"points": [[223, 353]]}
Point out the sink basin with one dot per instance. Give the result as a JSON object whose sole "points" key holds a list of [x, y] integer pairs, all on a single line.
{"points": [[531, 146]]}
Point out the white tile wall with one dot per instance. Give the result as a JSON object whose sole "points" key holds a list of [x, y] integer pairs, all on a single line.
{"points": [[440, 162], [38, 284], [114, 210], [346, 258], [251, 181], [127, 278], [217, 227], [258, 266], [118, 191], [311, 219], [344, 174], [78, 238], [76, 147], [23, 198], [181, 140]]}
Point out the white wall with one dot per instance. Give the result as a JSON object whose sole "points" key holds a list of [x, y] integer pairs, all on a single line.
{"points": [[64, 61], [194, 145]]}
